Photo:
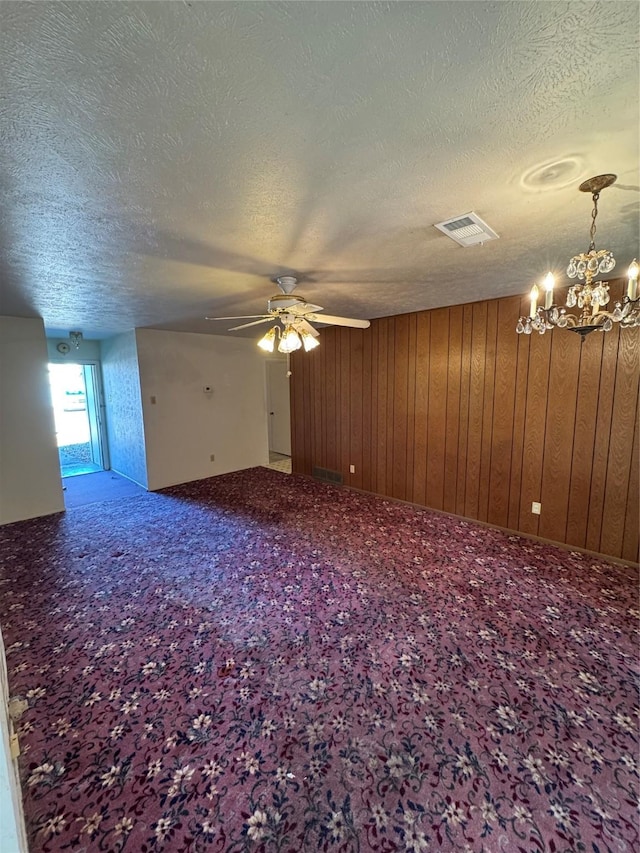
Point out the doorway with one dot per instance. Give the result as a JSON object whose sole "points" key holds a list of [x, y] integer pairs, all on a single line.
{"points": [[76, 396], [278, 407]]}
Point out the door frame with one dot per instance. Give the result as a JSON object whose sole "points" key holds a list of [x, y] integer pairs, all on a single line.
{"points": [[286, 368], [97, 411]]}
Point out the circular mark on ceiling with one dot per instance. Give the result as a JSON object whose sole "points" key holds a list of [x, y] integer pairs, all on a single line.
{"points": [[554, 175]]}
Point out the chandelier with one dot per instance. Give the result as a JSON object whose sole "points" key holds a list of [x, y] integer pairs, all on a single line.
{"points": [[290, 339], [590, 296], [75, 338]]}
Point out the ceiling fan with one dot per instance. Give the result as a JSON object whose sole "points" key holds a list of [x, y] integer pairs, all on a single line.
{"points": [[296, 315]]}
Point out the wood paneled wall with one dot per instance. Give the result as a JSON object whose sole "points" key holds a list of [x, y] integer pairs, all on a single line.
{"points": [[452, 410]]}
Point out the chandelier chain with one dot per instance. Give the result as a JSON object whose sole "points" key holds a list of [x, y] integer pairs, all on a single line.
{"points": [[594, 214]]}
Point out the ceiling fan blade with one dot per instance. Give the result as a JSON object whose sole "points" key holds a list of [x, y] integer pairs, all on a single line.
{"points": [[242, 317], [304, 308], [338, 321], [303, 326], [254, 323]]}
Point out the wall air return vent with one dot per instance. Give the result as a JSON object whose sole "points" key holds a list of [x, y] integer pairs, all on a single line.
{"points": [[467, 229], [327, 476]]}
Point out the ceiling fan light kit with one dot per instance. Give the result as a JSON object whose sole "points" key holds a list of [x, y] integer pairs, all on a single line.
{"points": [[295, 315], [289, 340], [267, 343], [309, 342], [590, 297]]}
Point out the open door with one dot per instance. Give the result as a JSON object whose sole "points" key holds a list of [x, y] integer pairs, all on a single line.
{"points": [[279, 407], [76, 395]]}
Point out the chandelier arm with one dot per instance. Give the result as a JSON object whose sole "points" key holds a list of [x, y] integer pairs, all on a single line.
{"points": [[630, 312]]}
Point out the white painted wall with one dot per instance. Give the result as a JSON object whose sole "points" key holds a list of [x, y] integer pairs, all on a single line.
{"points": [[87, 351], [186, 424], [30, 482], [123, 406]]}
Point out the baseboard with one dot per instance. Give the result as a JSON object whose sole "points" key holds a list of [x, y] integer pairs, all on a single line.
{"points": [[532, 537]]}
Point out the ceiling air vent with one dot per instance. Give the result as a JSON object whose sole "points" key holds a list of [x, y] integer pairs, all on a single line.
{"points": [[468, 229]]}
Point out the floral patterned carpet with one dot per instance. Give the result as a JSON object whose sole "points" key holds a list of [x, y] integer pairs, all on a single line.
{"points": [[259, 662]]}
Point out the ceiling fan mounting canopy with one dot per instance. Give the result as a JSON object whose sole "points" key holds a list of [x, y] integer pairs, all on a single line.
{"points": [[282, 301], [286, 283]]}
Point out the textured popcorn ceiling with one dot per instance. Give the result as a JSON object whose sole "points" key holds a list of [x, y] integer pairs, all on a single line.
{"points": [[161, 161]]}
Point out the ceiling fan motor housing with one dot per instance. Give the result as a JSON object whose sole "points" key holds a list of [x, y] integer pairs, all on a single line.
{"points": [[282, 301]]}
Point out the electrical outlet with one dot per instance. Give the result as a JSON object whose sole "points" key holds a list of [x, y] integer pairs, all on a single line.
{"points": [[536, 508], [212, 458], [352, 469], [153, 400]]}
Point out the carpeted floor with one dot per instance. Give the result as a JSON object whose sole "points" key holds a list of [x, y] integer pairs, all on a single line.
{"points": [[83, 489], [264, 663]]}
